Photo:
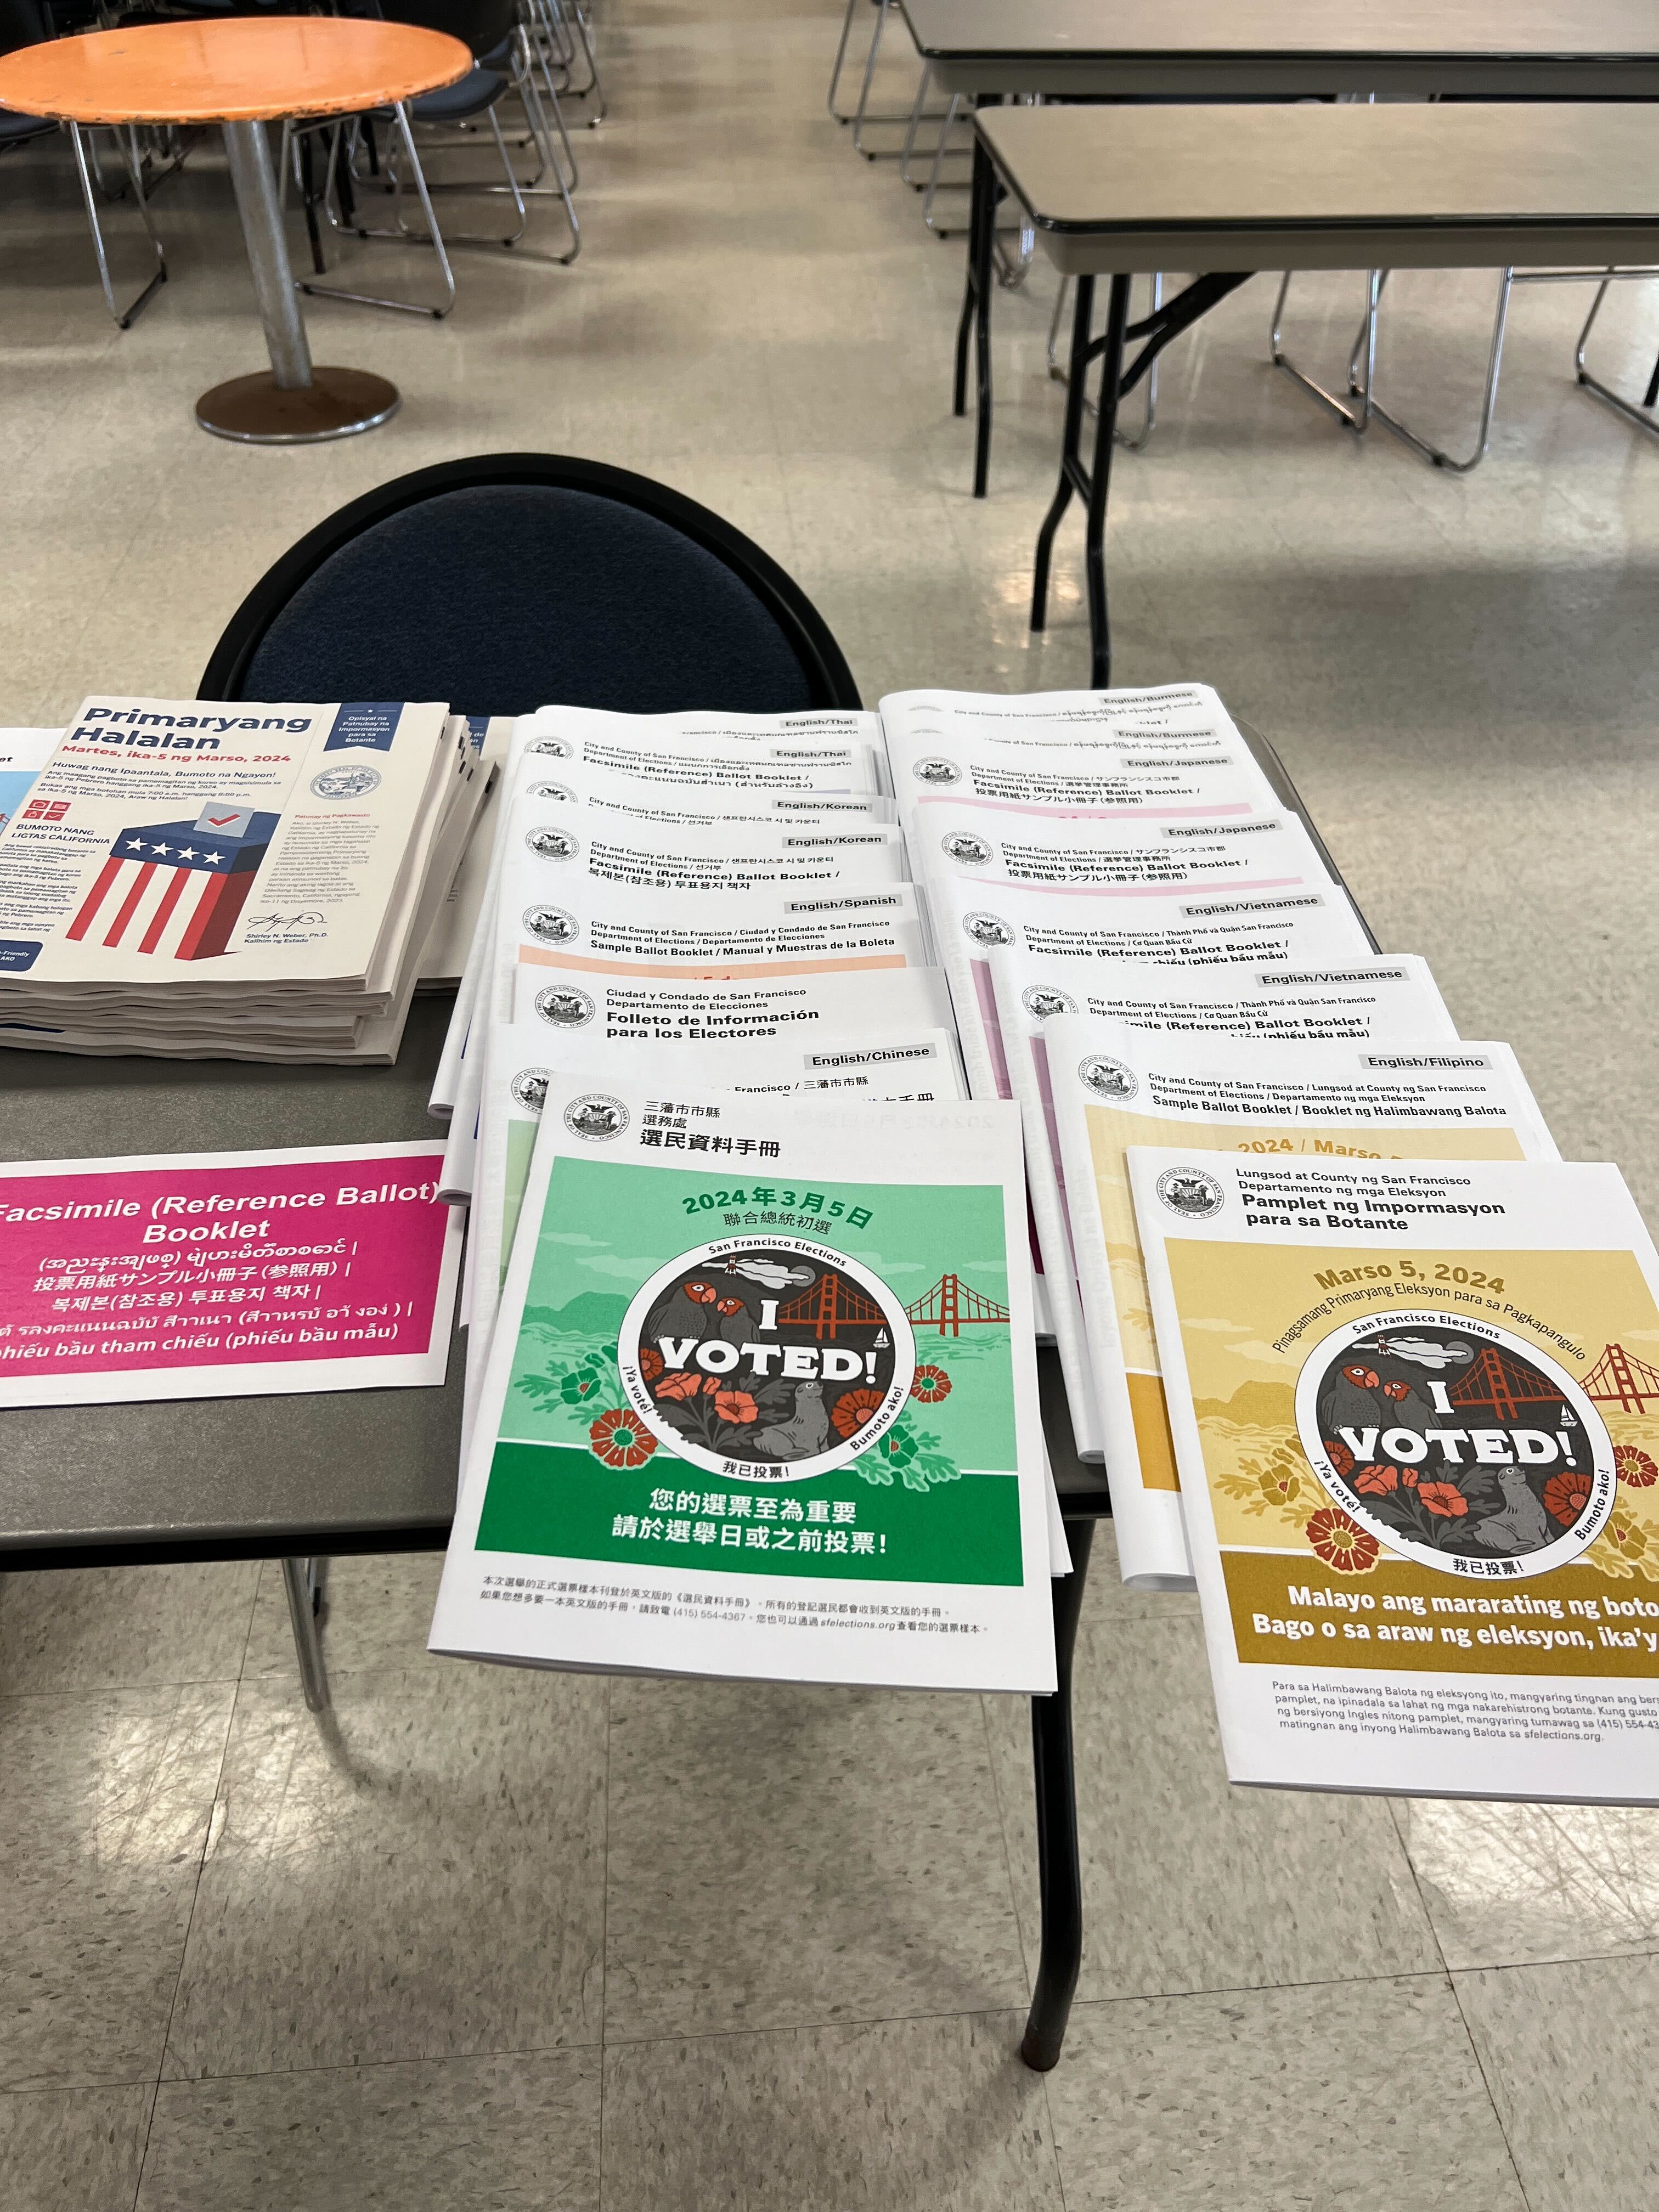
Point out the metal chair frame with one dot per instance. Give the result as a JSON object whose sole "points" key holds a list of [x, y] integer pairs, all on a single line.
{"points": [[1362, 387], [87, 169]]}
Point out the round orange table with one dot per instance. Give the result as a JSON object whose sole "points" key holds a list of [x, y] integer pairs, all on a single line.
{"points": [[242, 73]]}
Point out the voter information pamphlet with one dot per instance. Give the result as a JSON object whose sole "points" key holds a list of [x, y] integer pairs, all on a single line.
{"points": [[1416, 1409], [1113, 1086], [224, 1275], [773, 1415]]}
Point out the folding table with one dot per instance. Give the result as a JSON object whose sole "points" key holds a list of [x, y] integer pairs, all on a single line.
{"points": [[1242, 49], [302, 1477], [1232, 190]]}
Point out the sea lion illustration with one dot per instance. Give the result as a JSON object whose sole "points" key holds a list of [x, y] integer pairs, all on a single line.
{"points": [[805, 1433]]}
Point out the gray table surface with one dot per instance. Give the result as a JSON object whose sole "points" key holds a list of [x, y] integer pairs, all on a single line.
{"points": [[1234, 48], [223, 1477], [1322, 187]]}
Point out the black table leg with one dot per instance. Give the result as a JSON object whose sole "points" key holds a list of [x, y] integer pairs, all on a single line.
{"points": [[1094, 543], [969, 278], [1059, 1866], [975, 318], [1070, 466]]}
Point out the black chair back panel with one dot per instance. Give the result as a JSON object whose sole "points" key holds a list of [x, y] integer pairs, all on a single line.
{"points": [[500, 596], [21, 24]]}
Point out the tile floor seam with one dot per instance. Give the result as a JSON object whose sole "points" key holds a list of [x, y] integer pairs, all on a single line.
{"points": [[1007, 1853], [143, 2152], [1485, 2083], [371, 2065], [196, 1891], [1016, 2011]]}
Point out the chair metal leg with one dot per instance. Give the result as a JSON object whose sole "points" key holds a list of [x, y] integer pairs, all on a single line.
{"points": [[124, 317], [1430, 453], [841, 57], [1351, 418], [934, 179], [435, 239], [1641, 416], [302, 1580], [1060, 1863], [1081, 315]]}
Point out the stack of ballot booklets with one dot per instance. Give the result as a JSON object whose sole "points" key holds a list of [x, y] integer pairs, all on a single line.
{"points": [[199, 880]]}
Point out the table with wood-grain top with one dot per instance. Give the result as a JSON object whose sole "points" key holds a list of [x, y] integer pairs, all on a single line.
{"points": [[242, 73]]}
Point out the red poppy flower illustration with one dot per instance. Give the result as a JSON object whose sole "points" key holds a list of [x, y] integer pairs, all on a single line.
{"points": [[1362, 1378], [1444, 1499], [1566, 1495], [735, 1405], [1408, 1476], [620, 1438], [679, 1384], [1625, 1536], [852, 1409], [710, 1385], [1377, 1481], [930, 1384], [650, 1362], [1341, 1542], [1340, 1456], [1634, 1467], [704, 1293], [729, 1306], [1396, 1390]]}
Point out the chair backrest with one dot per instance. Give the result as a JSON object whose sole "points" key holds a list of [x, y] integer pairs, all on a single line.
{"points": [[21, 24], [516, 581], [481, 24]]}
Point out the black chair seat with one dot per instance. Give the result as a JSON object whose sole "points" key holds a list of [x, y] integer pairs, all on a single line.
{"points": [[513, 580], [17, 129], [455, 103]]}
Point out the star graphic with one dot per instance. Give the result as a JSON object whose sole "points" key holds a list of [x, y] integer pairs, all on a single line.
{"points": [[135, 844], [213, 858], [187, 851], [161, 850]]}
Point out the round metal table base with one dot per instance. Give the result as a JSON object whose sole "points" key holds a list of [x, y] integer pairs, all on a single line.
{"points": [[337, 403]]}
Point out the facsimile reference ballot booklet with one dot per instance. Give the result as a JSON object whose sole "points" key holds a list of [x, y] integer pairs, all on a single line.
{"points": [[1415, 1405], [762, 1400]]}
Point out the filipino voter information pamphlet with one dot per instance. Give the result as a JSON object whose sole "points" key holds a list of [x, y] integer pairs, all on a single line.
{"points": [[1390, 1001], [1113, 1087], [771, 1415], [1416, 1410], [224, 1275], [195, 878]]}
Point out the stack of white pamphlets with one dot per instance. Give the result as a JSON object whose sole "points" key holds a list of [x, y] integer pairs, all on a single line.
{"points": [[765, 1409], [1416, 1416], [234, 880]]}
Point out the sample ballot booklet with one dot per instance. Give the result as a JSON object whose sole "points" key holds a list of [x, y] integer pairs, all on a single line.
{"points": [[1113, 1086], [767, 1412], [1416, 1407]]}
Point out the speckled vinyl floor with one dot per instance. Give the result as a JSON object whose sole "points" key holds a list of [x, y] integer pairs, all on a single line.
{"points": [[492, 1939]]}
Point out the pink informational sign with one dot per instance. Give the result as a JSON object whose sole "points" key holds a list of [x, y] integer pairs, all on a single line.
{"points": [[225, 1274]]}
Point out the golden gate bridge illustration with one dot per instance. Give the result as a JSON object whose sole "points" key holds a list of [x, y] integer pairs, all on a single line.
{"points": [[1497, 1382], [1620, 1379], [832, 1303], [954, 1305]]}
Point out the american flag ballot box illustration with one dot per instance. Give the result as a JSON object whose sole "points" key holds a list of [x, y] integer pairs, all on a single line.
{"points": [[177, 888]]}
